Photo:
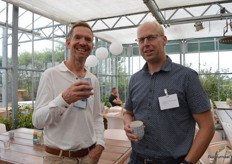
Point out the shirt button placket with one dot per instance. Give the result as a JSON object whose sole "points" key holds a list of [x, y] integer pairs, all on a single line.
{"points": [[150, 98]]}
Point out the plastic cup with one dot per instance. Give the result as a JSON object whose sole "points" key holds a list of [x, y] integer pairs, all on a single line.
{"points": [[138, 128], [87, 79], [6, 144], [11, 135]]}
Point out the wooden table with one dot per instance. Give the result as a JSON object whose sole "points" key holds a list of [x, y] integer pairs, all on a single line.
{"points": [[222, 105], [23, 151], [225, 117]]}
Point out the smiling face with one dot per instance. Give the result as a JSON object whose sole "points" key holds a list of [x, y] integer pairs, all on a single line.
{"points": [[80, 43], [152, 48]]}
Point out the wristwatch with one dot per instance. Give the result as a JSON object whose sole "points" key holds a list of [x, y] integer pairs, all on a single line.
{"points": [[186, 162]]}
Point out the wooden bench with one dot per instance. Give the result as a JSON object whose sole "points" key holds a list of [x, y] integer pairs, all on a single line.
{"points": [[225, 117], [221, 105]]}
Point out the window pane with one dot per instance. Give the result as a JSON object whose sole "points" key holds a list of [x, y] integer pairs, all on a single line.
{"points": [[209, 61], [175, 58], [192, 61], [225, 63]]}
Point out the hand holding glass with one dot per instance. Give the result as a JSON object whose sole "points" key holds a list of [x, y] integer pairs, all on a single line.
{"points": [[87, 79]]}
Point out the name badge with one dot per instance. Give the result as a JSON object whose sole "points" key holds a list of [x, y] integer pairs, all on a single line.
{"points": [[168, 101], [81, 104]]}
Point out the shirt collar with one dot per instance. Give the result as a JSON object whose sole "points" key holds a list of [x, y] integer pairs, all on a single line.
{"points": [[166, 67], [63, 68]]}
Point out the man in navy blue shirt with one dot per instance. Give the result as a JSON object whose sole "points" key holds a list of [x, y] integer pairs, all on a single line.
{"points": [[170, 100]]}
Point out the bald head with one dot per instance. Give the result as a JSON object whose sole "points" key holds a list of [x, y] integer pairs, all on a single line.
{"points": [[156, 27], [151, 41]]}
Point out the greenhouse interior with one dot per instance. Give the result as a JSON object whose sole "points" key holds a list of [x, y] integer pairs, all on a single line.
{"points": [[33, 39]]}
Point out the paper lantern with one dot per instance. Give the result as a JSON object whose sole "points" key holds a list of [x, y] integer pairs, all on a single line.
{"points": [[102, 53], [91, 61], [116, 48]]}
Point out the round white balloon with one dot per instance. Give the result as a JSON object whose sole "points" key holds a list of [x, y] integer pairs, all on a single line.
{"points": [[116, 48], [102, 53], [91, 61]]}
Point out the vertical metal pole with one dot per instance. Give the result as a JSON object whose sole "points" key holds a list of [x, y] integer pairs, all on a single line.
{"points": [[183, 51], [98, 65], [218, 70], [66, 49], [15, 73], [116, 71], [5, 64], [53, 55], [33, 75]]}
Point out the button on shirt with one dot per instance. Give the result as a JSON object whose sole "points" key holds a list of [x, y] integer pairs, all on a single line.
{"points": [[168, 133], [65, 126]]}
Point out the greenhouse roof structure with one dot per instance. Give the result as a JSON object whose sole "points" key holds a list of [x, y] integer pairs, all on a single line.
{"points": [[118, 19]]}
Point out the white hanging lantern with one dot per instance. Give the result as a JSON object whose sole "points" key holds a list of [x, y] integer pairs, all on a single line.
{"points": [[91, 61], [102, 53], [116, 48]]}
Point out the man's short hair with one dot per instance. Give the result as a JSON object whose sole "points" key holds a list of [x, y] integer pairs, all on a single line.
{"points": [[78, 24], [112, 89]]}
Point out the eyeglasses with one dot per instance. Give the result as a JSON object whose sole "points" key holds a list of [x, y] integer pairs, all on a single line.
{"points": [[149, 38]]}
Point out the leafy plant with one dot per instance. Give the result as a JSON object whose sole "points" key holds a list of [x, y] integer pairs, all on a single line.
{"points": [[7, 122], [217, 86], [105, 100], [23, 119]]}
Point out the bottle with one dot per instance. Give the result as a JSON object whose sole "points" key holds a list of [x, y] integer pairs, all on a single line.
{"points": [[227, 101]]}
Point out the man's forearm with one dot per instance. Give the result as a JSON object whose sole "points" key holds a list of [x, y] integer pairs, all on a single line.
{"points": [[128, 117], [200, 144]]}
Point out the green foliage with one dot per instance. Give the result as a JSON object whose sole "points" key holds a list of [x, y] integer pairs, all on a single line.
{"points": [[42, 60], [217, 86], [25, 59], [105, 100], [7, 122], [122, 82], [23, 119], [123, 78]]}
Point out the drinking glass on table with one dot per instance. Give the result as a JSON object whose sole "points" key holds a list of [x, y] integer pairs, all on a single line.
{"points": [[6, 144]]}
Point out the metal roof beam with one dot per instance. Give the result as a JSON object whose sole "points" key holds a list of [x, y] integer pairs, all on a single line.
{"points": [[190, 18], [113, 23], [202, 18], [156, 12]]}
